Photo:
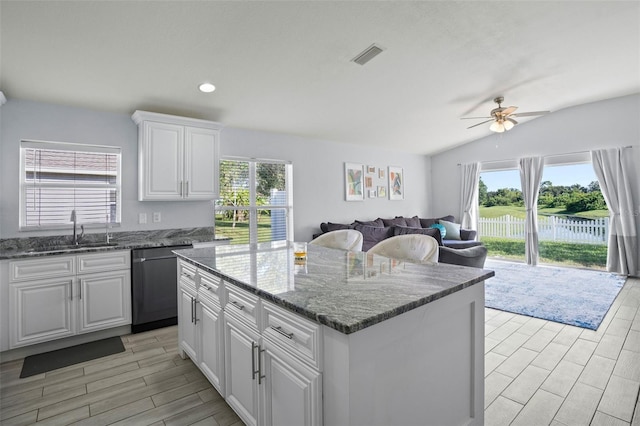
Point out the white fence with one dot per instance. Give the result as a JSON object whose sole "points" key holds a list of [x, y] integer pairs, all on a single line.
{"points": [[550, 228]]}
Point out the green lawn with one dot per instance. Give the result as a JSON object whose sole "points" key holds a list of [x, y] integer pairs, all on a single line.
{"points": [[517, 211], [239, 233], [567, 254]]}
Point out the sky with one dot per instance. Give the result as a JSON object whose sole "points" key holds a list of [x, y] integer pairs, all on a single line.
{"points": [[558, 175]]}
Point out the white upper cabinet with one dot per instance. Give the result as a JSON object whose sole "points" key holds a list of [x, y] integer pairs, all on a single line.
{"points": [[177, 157]]}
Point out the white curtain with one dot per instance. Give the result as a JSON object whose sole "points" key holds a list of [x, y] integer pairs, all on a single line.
{"points": [[530, 177], [615, 184], [469, 191]]}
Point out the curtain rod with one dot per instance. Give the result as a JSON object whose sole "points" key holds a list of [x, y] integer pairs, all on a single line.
{"points": [[544, 156]]}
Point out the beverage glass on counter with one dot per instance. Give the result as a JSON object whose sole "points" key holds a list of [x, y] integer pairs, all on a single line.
{"points": [[300, 251]]}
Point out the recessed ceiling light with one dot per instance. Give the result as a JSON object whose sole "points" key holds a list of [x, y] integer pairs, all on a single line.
{"points": [[207, 87]]}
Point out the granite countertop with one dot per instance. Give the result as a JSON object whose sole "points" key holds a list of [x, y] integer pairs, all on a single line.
{"points": [[18, 248], [347, 291]]}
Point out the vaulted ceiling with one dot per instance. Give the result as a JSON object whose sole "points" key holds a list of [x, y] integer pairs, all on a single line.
{"points": [[285, 66]]}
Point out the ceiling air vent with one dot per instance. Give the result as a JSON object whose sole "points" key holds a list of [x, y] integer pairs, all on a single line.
{"points": [[368, 54]]}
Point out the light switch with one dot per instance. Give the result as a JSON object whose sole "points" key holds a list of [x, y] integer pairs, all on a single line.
{"points": [[156, 217], [142, 218]]}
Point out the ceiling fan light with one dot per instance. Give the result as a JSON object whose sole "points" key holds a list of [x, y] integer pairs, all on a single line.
{"points": [[508, 125], [497, 126]]}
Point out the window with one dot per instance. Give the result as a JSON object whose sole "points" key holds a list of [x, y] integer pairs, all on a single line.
{"points": [[57, 178], [256, 201]]}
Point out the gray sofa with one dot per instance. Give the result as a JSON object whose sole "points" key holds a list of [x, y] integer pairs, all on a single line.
{"points": [[465, 251]]}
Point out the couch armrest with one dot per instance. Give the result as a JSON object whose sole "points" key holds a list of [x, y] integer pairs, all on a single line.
{"points": [[470, 256], [467, 234]]}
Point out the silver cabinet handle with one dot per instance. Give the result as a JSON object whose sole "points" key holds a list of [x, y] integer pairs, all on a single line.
{"points": [[260, 375], [71, 288], [192, 310], [206, 286], [187, 275], [195, 311], [281, 331], [254, 346], [79, 289], [237, 305]]}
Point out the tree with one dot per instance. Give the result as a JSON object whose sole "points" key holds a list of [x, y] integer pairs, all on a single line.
{"points": [[482, 192], [270, 176]]}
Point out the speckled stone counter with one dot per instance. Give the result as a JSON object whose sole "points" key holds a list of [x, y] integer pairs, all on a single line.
{"points": [[16, 248], [347, 291]]}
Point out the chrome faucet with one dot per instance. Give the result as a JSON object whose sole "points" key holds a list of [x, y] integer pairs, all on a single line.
{"points": [[76, 238]]}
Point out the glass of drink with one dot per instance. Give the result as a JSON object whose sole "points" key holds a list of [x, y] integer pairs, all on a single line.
{"points": [[300, 250]]}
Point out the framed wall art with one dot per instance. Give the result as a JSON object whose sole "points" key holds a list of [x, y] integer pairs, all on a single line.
{"points": [[396, 183], [354, 181], [382, 192]]}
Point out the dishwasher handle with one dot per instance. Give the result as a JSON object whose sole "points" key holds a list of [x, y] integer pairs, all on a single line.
{"points": [[148, 259]]}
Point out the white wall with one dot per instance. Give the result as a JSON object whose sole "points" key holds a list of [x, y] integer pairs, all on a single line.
{"points": [[318, 169]]}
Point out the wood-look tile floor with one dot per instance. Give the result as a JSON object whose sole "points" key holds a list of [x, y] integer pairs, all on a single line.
{"points": [[537, 373]]}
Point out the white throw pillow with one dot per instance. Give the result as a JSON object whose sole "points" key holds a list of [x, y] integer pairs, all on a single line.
{"points": [[453, 229]]}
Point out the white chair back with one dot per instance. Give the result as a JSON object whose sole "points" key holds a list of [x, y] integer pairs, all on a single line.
{"points": [[415, 248], [345, 239]]}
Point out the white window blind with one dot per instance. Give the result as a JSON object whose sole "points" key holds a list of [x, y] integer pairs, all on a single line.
{"points": [[256, 202], [57, 178]]}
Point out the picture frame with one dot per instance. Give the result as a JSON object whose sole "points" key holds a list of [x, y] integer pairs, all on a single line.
{"points": [[373, 193], [371, 170], [353, 182], [382, 192], [396, 183], [381, 173], [368, 182]]}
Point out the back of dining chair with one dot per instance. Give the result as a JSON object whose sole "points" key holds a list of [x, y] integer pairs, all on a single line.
{"points": [[415, 248], [345, 239]]}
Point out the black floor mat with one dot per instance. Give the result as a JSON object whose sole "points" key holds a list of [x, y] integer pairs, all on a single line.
{"points": [[41, 363]]}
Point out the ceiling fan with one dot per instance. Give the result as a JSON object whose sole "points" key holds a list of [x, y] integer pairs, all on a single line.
{"points": [[502, 117]]}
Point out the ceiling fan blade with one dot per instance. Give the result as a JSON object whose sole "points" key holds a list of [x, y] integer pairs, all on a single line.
{"points": [[511, 120], [473, 118], [479, 124], [509, 110], [530, 114]]}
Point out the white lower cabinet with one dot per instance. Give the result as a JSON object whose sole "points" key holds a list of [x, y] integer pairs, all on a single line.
{"points": [[269, 377], [241, 369], [41, 310], [292, 391], [60, 296]]}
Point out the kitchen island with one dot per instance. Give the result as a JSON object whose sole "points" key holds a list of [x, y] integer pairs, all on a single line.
{"points": [[342, 338]]}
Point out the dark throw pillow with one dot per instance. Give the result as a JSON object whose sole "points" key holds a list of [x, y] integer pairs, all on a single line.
{"points": [[396, 221], [377, 223], [432, 232], [413, 222], [372, 235], [328, 227]]}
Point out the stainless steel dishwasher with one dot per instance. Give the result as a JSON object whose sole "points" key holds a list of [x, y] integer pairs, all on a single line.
{"points": [[154, 288]]}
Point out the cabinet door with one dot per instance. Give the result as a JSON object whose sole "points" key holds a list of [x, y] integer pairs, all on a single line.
{"points": [[292, 393], [161, 162], [187, 323], [241, 384], [104, 300], [211, 345], [40, 311], [201, 163]]}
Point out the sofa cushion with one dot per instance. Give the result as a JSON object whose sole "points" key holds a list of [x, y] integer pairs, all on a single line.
{"points": [[328, 227], [403, 230], [471, 256], [372, 235], [396, 221], [459, 244], [425, 223], [441, 228], [378, 223], [413, 222], [453, 229]]}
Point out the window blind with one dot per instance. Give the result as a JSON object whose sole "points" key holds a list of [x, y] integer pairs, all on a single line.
{"points": [[58, 178]]}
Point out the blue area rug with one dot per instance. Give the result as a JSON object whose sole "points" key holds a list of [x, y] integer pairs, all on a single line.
{"points": [[572, 296]]}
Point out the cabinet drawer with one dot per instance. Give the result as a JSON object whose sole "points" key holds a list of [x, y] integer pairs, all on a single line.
{"points": [[210, 287], [242, 304], [45, 267], [187, 275], [296, 335], [104, 262]]}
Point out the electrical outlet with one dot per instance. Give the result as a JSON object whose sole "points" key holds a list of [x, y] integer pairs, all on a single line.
{"points": [[142, 218], [156, 217]]}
